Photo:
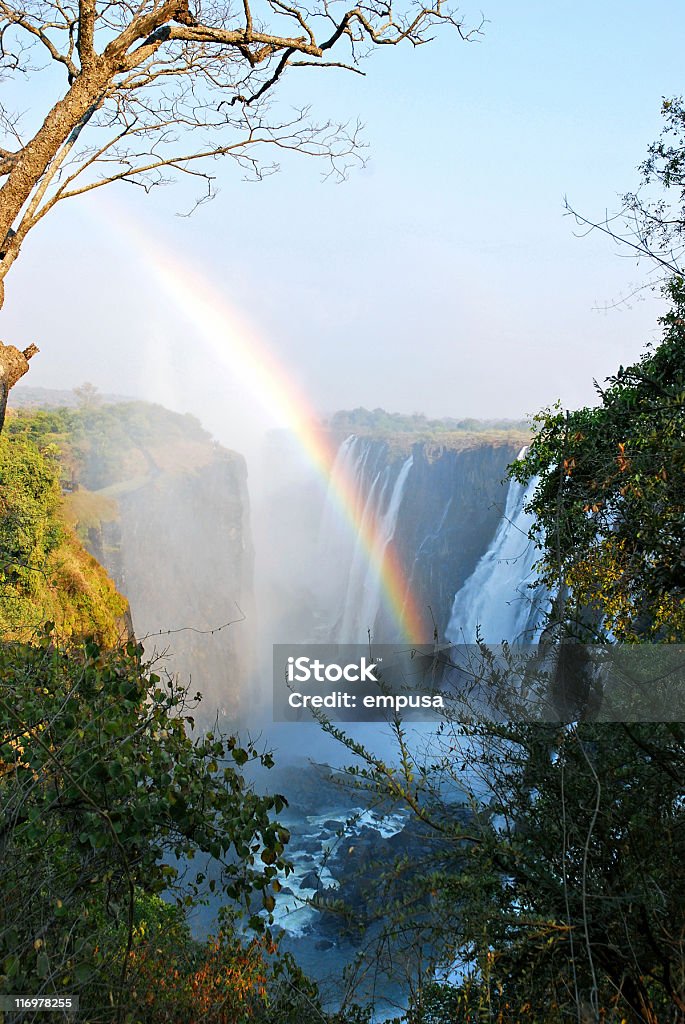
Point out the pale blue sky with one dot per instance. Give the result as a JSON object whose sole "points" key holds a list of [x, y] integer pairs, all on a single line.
{"points": [[443, 278]]}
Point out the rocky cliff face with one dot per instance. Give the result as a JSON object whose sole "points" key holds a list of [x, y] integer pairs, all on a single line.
{"points": [[438, 504], [180, 550], [453, 502], [165, 510]]}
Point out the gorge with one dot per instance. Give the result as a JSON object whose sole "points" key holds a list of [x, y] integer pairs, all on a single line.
{"points": [[218, 560]]}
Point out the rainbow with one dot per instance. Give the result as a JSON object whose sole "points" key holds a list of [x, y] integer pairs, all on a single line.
{"points": [[236, 345]]}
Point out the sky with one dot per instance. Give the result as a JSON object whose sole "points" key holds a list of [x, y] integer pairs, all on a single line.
{"points": [[441, 278]]}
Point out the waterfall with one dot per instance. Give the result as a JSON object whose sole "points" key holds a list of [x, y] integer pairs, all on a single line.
{"points": [[363, 598], [349, 590], [441, 512], [497, 598], [335, 546]]}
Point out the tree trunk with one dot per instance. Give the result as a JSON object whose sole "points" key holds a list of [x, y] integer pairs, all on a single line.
{"points": [[36, 156], [13, 365]]}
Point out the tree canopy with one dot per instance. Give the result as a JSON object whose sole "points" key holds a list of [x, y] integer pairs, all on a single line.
{"points": [[610, 502], [548, 877], [107, 801]]}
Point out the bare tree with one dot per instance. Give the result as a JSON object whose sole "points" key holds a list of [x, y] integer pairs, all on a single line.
{"points": [[148, 88], [142, 90]]}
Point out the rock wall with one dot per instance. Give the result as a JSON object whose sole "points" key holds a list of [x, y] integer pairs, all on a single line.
{"points": [[181, 552], [453, 503], [178, 545], [441, 505]]}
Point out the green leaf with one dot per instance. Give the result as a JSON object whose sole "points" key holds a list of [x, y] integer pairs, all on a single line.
{"points": [[42, 965]]}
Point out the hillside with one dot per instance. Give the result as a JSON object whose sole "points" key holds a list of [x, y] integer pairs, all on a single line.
{"points": [[46, 575]]}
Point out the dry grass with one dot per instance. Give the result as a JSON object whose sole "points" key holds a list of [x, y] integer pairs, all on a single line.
{"points": [[88, 509]]}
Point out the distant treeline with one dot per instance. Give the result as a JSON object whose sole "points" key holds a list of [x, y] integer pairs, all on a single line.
{"points": [[102, 443], [378, 421]]}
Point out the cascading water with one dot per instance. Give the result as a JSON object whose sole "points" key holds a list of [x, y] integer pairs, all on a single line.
{"points": [[363, 599], [436, 511], [349, 590], [497, 599], [336, 541]]}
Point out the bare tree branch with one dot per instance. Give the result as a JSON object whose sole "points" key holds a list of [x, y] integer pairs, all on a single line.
{"points": [[156, 89]]}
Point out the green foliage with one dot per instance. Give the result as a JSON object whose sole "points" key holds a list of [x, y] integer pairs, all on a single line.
{"points": [[105, 802], [610, 503], [45, 574], [102, 443], [560, 894], [29, 523], [110, 438], [41, 425], [590, 851], [378, 421]]}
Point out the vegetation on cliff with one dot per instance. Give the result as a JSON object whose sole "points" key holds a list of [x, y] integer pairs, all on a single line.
{"points": [[45, 574], [104, 450], [401, 431], [610, 503], [104, 443]]}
